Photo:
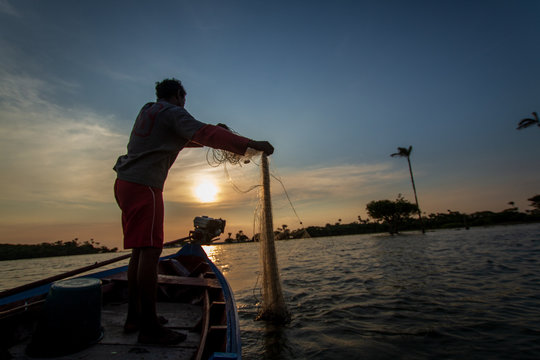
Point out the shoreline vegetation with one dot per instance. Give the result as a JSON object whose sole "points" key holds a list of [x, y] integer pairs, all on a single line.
{"points": [[448, 220], [396, 216], [59, 248]]}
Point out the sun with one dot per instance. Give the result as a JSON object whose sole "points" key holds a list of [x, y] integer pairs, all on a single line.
{"points": [[206, 192]]}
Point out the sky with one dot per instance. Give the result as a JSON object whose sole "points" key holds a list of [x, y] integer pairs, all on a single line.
{"points": [[335, 86]]}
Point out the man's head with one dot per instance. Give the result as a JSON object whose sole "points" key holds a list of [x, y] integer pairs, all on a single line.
{"points": [[172, 91]]}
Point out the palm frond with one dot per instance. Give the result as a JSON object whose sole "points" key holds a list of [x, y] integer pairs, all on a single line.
{"points": [[403, 152], [525, 123]]}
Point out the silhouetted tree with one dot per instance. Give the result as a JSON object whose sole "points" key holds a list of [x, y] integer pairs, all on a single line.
{"points": [[535, 202], [391, 212], [513, 206], [283, 232], [406, 152], [240, 236]]}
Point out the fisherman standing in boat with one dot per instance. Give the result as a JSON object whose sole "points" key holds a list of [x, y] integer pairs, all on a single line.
{"points": [[162, 129]]}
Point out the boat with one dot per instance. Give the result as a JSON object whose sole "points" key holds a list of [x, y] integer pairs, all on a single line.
{"points": [[82, 317]]}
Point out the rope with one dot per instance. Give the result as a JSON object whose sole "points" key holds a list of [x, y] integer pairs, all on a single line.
{"points": [[216, 157], [289, 199]]}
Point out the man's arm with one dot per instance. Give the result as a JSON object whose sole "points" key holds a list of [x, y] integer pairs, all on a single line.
{"points": [[218, 137]]}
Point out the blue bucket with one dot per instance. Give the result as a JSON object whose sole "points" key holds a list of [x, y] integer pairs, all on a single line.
{"points": [[71, 319]]}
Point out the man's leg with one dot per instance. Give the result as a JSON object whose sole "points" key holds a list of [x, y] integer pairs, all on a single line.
{"points": [[152, 331], [132, 321], [147, 284]]}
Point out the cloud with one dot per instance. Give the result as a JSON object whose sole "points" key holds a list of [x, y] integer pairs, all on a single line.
{"points": [[7, 8], [239, 185], [52, 154], [339, 181]]}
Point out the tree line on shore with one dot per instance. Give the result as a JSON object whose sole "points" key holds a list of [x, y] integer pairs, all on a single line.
{"points": [[387, 216], [395, 216], [59, 248]]}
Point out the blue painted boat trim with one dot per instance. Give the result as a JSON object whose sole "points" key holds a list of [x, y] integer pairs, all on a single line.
{"points": [[223, 356]]}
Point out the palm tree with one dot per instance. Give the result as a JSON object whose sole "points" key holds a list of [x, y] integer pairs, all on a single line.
{"points": [[524, 123], [404, 152]]}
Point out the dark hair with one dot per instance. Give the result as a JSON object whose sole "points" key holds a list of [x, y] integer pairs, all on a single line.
{"points": [[168, 88]]}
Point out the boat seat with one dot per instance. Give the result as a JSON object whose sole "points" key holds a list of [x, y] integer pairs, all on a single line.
{"points": [[174, 280]]}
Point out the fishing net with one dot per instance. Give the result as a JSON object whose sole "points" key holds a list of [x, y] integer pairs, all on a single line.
{"points": [[273, 306]]}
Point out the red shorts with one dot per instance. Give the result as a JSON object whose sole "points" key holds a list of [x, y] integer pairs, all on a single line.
{"points": [[142, 214]]}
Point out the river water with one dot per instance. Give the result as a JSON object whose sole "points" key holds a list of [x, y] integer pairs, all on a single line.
{"points": [[448, 294]]}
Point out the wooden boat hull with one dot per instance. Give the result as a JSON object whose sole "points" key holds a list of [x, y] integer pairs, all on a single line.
{"points": [[192, 294]]}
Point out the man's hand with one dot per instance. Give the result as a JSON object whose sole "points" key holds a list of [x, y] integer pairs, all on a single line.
{"points": [[263, 146]]}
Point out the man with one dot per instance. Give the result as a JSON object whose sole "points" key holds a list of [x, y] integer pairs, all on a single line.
{"points": [[162, 129]]}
